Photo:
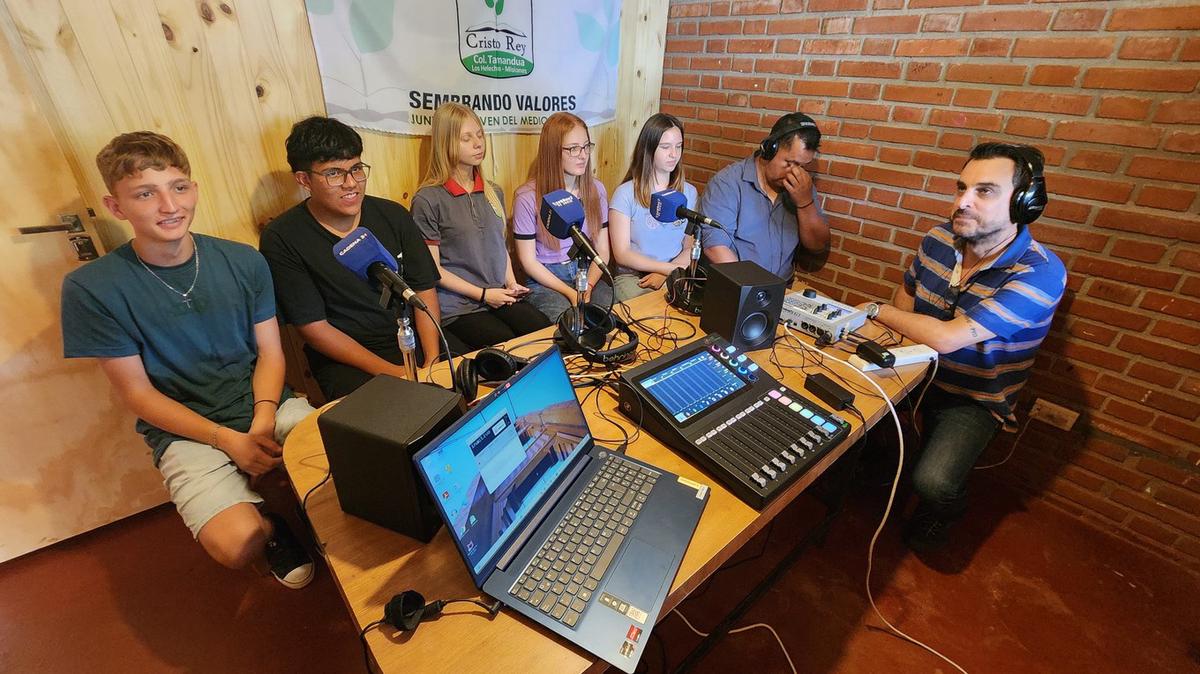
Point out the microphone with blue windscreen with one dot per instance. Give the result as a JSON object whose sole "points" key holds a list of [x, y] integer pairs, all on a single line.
{"points": [[671, 205], [362, 253], [563, 216]]}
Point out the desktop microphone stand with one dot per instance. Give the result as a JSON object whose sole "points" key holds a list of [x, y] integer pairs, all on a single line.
{"points": [[690, 297], [582, 262], [406, 338]]}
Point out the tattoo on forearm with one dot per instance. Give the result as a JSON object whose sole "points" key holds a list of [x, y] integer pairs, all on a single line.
{"points": [[974, 332]]}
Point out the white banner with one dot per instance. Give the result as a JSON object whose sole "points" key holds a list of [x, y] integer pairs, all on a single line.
{"points": [[388, 64]]}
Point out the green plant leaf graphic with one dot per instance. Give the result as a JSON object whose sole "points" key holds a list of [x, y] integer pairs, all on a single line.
{"points": [[320, 7], [371, 24], [591, 35]]}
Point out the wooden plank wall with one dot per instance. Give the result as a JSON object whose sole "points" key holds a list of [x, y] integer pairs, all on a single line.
{"points": [[228, 79], [71, 460]]}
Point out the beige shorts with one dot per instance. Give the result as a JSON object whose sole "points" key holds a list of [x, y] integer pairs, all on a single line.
{"points": [[203, 480]]}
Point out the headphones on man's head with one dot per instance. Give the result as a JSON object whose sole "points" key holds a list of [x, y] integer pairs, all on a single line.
{"points": [[597, 324], [1029, 200], [489, 366], [795, 121]]}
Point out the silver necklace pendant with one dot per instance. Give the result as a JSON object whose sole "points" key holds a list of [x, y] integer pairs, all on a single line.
{"points": [[185, 296]]}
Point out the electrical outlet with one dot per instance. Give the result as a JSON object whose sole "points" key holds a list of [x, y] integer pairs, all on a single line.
{"points": [[1055, 415]]}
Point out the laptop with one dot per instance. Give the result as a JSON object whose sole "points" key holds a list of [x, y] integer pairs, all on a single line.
{"points": [[581, 540]]}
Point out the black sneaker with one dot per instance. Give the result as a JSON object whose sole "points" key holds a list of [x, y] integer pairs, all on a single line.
{"points": [[926, 533], [290, 563]]}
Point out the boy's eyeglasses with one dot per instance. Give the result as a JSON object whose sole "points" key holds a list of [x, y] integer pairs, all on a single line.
{"points": [[336, 177]]}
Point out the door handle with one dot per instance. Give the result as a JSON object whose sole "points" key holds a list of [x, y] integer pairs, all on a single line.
{"points": [[68, 222]]}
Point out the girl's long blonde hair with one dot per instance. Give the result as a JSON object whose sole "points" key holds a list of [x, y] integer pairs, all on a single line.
{"points": [[546, 172], [448, 122]]}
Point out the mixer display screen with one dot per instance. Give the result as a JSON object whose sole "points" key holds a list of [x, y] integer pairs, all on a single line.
{"points": [[692, 385]]}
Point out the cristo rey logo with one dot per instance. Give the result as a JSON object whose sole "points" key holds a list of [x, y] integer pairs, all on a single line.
{"points": [[495, 38]]}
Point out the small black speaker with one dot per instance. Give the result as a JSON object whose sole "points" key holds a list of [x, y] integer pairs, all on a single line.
{"points": [[370, 438], [742, 302]]}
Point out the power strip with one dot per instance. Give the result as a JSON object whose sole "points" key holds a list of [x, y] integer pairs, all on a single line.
{"points": [[905, 355]]}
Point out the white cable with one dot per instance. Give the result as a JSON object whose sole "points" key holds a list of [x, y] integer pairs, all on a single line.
{"points": [[920, 398], [742, 629], [1011, 450], [925, 389], [888, 510]]}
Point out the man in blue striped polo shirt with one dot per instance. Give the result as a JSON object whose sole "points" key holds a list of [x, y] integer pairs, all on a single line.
{"points": [[981, 292]]}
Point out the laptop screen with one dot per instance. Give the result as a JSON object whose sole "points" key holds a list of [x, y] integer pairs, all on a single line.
{"points": [[492, 468]]}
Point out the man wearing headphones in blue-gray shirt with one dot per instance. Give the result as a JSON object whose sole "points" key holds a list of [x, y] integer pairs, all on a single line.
{"points": [[982, 292], [768, 203]]}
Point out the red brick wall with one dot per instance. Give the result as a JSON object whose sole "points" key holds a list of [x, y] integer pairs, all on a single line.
{"points": [[901, 89]]}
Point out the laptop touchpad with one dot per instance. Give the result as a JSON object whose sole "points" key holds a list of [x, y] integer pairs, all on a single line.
{"points": [[640, 574]]}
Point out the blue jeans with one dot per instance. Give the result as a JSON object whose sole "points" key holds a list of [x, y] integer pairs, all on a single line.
{"points": [[956, 431], [552, 303]]}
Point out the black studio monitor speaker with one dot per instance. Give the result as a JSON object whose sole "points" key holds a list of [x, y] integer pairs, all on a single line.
{"points": [[742, 302], [370, 438]]}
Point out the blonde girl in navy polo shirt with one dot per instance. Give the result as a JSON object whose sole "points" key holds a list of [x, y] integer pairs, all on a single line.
{"points": [[461, 216], [563, 161]]}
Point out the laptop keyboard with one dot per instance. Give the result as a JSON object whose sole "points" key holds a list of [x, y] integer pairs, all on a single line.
{"points": [[561, 577]]}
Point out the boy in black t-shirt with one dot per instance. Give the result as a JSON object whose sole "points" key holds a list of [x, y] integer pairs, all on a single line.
{"points": [[184, 327], [349, 337]]}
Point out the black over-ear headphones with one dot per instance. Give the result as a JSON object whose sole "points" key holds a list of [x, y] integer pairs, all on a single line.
{"points": [[597, 324], [1028, 200], [797, 121], [686, 293], [408, 609], [489, 366]]}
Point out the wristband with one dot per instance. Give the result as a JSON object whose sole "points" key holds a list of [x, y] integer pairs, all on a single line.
{"points": [[810, 203], [213, 441], [483, 296], [259, 402]]}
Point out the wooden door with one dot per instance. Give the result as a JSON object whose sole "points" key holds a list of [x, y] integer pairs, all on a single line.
{"points": [[70, 459]]}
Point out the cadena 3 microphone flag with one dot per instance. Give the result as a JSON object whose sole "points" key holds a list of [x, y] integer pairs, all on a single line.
{"points": [[388, 64]]}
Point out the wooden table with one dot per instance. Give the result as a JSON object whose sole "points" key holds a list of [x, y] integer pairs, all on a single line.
{"points": [[370, 564]]}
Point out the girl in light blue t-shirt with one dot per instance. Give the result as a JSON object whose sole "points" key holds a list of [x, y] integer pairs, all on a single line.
{"points": [[645, 250]]}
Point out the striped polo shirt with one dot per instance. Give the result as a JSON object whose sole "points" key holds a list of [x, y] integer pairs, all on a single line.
{"points": [[1014, 298]]}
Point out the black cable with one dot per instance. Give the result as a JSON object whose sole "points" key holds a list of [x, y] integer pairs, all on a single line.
{"points": [[662, 333], [662, 649], [530, 342], [728, 566], [819, 361], [362, 636], [492, 609], [615, 384], [612, 297], [445, 345], [858, 413], [304, 512], [602, 382]]}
